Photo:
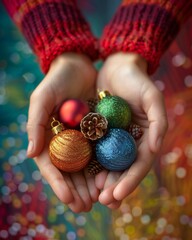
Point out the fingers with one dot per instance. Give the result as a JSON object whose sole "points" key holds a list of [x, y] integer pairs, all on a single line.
{"points": [[93, 190], [41, 105], [77, 205], [71, 189], [118, 186], [100, 179], [106, 197], [82, 199], [58, 183], [114, 205], [134, 175], [155, 109]]}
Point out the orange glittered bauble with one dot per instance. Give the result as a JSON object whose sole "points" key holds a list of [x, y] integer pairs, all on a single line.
{"points": [[69, 150]]}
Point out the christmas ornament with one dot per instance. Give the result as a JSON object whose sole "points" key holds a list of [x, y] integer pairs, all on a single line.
{"points": [[93, 126], [116, 151], [69, 150], [115, 109], [94, 167], [72, 111], [135, 131]]}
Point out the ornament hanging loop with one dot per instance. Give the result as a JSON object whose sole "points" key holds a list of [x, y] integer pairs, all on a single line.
{"points": [[102, 94], [57, 127]]}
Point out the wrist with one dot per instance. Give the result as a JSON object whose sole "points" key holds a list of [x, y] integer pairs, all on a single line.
{"points": [[72, 74], [71, 59], [130, 59]]}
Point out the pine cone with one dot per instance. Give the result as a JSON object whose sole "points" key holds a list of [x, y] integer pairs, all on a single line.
{"points": [[94, 167], [92, 102], [93, 126], [135, 131]]}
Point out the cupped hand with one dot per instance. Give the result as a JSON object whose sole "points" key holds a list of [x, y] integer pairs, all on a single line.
{"points": [[70, 76], [125, 75]]}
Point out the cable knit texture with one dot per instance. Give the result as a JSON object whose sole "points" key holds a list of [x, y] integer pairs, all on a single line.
{"points": [[52, 27], [145, 27]]}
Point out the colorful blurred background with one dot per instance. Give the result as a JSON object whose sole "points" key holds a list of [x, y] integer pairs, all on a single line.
{"points": [[159, 209]]}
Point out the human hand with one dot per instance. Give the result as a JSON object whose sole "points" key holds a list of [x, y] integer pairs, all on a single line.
{"points": [[70, 76], [125, 75]]}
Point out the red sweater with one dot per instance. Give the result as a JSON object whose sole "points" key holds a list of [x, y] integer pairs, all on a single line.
{"points": [[55, 26]]}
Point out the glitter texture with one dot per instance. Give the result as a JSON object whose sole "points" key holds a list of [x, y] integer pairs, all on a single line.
{"points": [[117, 150], [70, 151], [162, 197], [116, 110]]}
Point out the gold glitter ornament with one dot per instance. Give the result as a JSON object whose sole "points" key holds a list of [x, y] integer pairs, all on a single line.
{"points": [[69, 150]]}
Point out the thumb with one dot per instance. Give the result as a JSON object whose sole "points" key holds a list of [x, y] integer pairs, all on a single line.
{"points": [[157, 117], [40, 108]]}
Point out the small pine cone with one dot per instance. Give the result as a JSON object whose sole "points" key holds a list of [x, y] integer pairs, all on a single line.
{"points": [[94, 167], [92, 102], [135, 131], [93, 126]]}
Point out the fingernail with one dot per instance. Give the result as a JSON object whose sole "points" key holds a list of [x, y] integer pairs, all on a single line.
{"points": [[30, 147]]}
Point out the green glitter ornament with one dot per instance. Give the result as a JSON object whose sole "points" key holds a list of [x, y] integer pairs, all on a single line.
{"points": [[115, 109]]}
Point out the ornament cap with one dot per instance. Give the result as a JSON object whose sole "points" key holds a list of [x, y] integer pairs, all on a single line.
{"points": [[57, 127], [103, 94]]}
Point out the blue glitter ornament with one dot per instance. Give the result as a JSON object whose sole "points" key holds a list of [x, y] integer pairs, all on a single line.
{"points": [[117, 150]]}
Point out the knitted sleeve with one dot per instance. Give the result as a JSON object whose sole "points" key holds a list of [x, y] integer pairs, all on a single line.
{"points": [[146, 27], [52, 27]]}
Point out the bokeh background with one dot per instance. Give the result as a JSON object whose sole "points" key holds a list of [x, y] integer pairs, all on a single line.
{"points": [[159, 209]]}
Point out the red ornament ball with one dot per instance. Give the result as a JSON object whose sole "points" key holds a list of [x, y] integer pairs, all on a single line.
{"points": [[72, 111]]}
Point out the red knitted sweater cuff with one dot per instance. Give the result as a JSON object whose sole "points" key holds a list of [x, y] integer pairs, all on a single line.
{"points": [[52, 27], [146, 28]]}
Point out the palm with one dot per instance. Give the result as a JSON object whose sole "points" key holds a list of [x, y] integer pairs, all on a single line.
{"points": [[132, 84]]}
